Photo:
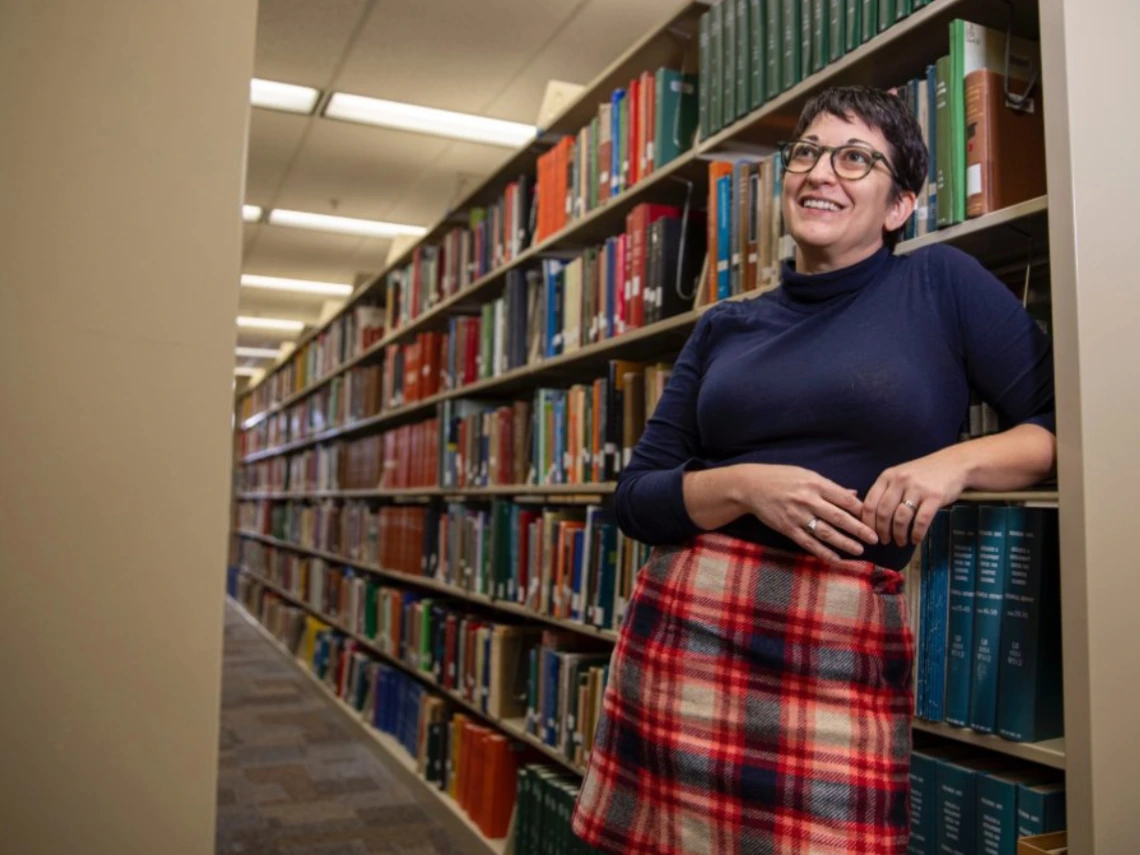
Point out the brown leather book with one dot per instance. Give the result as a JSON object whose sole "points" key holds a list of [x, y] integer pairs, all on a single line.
{"points": [[1005, 146]]}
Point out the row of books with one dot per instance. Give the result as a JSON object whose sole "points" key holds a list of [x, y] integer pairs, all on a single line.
{"points": [[347, 398], [641, 128], [492, 237], [580, 435], [964, 802], [566, 683], [489, 775], [345, 338], [752, 50], [569, 563], [472, 763], [987, 148], [987, 618], [745, 227]]}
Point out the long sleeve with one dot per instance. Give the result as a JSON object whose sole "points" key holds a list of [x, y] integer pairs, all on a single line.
{"points": [[1008, 358], [650, 502]]}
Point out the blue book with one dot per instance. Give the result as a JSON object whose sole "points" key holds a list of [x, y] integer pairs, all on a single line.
{"points": [[611, 260], [615, 134], [577, 553], [734, 259], [932, 142], [936, 615], [923, 796], [989, 595], [559, 437], [1040, 808], [960, 653], [997, 808], [956, 808], [723, 237], [1030, 695]]}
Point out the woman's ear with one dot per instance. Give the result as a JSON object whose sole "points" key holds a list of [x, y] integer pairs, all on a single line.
{"points": [[899, 210]]}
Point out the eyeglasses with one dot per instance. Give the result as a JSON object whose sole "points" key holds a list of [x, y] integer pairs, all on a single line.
{"points": [[849, 162]]}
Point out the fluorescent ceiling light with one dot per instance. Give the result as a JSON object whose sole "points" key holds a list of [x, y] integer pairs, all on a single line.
{"points": [[282, 96], [302, 286], [257, 352], [270, 324], [251, 213], [246, 371], [427, 120], [342, 225]]}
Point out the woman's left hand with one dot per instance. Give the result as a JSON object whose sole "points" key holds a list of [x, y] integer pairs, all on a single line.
{"points": [[905, 498]]}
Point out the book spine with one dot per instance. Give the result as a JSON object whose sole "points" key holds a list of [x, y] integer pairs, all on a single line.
{"points": [[757, 40], [955, 89], [868, 20], [790, 43], [743, 57], [943, 144], [963, 555], [956, 811], [728, 63], [773, 41], [992, 564], [923, 770], [716, 62], [996, 816], [702, 79], [852, 25], [836, 31], [807, 38]]}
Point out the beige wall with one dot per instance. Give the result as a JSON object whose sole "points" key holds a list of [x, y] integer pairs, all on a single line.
{"points": [[1091, 65], [122, 140]]}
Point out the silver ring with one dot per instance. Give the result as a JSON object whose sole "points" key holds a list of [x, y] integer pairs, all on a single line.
{"points": [[811, 525], [913, 507]]}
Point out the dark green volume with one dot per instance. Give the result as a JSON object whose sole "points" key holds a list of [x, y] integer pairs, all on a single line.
{"points": [[716, 30], [870, 16], [756, 44], [805, 38], [728, 63], [773, 30], [820, 31], [836, 37], [790, 44], [851, 25], [743, 57]]}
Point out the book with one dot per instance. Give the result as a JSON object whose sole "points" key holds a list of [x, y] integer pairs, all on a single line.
{"points": [[989, 594], [960, 641]]}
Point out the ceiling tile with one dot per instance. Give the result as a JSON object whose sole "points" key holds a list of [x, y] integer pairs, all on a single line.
{"points": [[302, 254], [302, 41], [582, 50], [363, 168], [274, 139], [455, 58]]}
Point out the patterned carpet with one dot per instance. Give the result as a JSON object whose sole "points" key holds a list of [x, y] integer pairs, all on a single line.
{"points": [[297, 778]]}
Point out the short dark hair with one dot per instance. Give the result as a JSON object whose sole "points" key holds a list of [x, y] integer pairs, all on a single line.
{"points": [[891, 117]]}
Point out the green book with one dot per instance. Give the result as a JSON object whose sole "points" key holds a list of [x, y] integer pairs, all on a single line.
{"points": [[702, 83], [743, 57], [371, 592], [676, 115], [806, 34], [943, 159], [903, 8], [869, 27], [716, 32], [772, 47], [728, 67], [886, 14], [852, 25], [836, 32], [820, 34], [955, 87], [487, 341], [790, 44], [757, 86]]}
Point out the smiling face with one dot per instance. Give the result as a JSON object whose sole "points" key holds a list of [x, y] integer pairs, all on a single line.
{"points": [[837, 222]]}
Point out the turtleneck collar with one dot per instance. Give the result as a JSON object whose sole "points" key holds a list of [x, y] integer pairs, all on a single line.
{"points": [[805, 289]]}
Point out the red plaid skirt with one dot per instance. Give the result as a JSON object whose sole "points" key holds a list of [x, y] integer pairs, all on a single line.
{"points": [[758, 702]]}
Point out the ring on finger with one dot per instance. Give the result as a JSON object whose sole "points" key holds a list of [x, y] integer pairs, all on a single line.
{"points": [[908, 503], [812, 525]]}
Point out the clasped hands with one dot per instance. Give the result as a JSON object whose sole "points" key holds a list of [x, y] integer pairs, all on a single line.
{"points": [[823, 517]]}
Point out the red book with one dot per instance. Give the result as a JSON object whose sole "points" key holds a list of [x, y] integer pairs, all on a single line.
{"points": [[633, 131]]}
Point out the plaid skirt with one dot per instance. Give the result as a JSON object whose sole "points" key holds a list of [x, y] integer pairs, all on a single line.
{"points": [[759, 702]]}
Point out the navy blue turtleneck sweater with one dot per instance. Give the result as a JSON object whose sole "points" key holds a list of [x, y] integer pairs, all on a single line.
{"points": [[844, 373]]}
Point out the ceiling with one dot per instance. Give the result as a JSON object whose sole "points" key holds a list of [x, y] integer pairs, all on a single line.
{"points": [[488, 57]]}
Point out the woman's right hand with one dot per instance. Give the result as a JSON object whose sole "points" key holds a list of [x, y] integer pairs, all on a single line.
{"points": [[787, 498]]}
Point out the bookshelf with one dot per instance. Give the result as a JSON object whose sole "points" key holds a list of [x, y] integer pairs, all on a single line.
{"points": [[1092, 515]]}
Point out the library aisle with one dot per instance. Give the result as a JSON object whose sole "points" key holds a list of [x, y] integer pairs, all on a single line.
{"points": [[295, 776]]}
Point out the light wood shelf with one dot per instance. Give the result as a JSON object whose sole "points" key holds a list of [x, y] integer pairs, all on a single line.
{"points": [[1051, 752], [596, 490], [399, 761], [436, 585], [513, 727]]}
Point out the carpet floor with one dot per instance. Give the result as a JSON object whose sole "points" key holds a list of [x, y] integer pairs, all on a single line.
{"points": [[297, 778]]}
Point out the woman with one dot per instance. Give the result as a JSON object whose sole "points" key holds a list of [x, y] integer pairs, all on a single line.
{"points": [[760, 689]]}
